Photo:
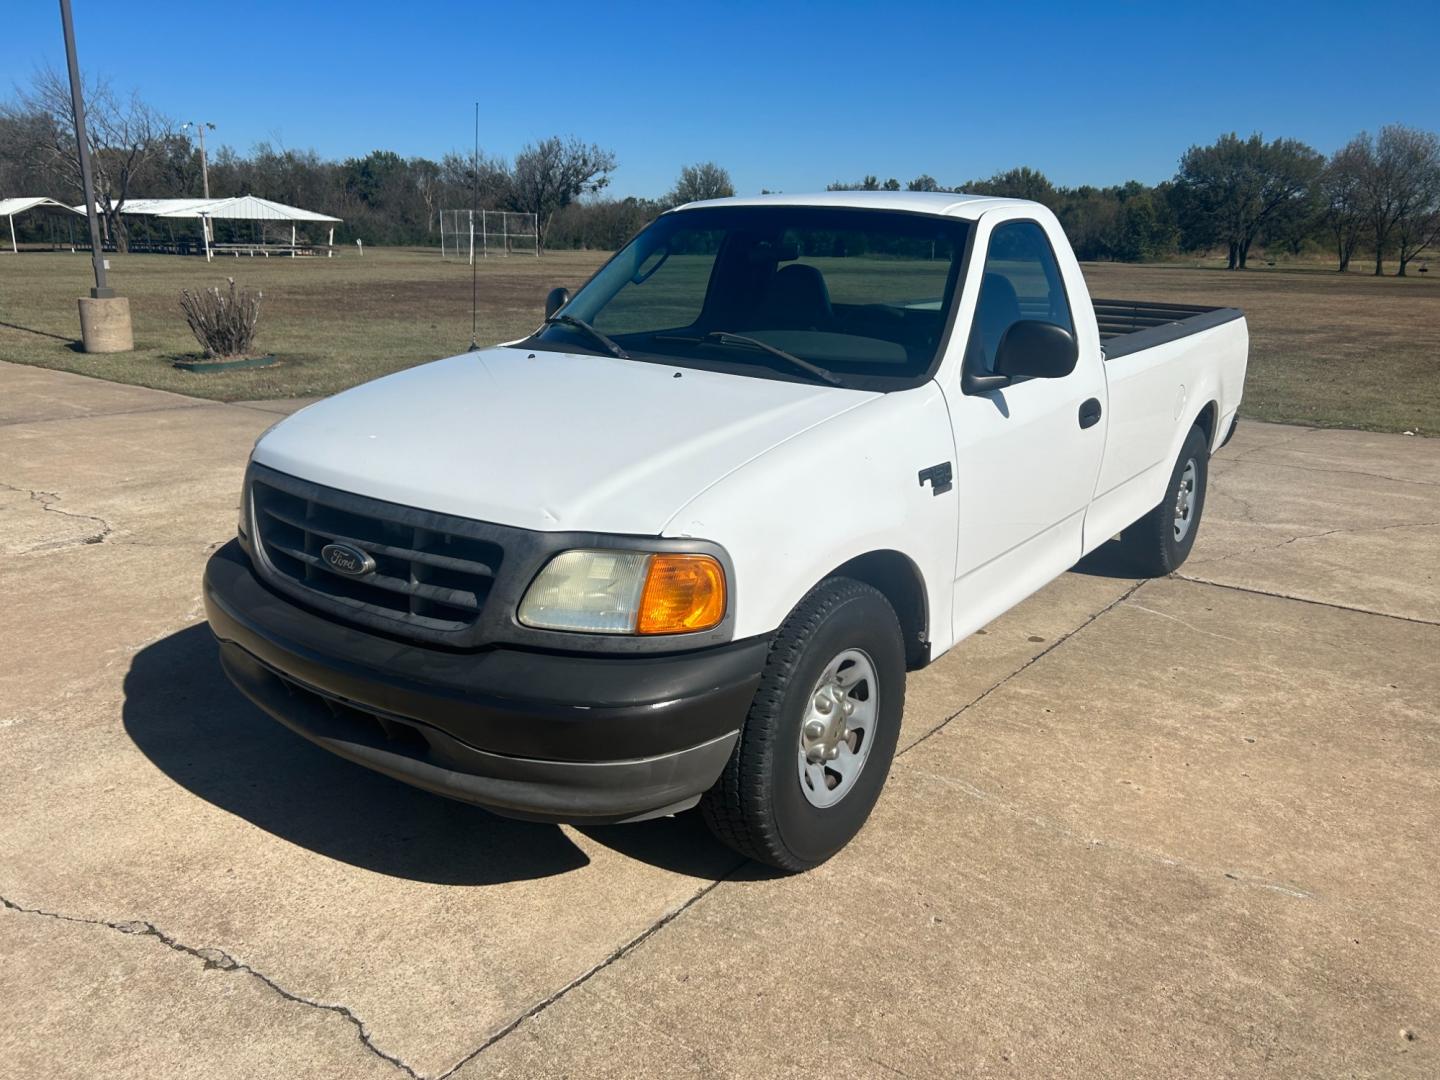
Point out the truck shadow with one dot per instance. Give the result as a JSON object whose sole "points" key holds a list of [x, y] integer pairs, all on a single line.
{"points": [[182, 713], [1108, 560]]}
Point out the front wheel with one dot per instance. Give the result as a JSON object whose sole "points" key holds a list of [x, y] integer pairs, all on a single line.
{"points": [[1160, 542], [817, 743]]}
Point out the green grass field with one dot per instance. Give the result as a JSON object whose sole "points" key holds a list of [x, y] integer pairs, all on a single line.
{"points": [[1326, 349]]}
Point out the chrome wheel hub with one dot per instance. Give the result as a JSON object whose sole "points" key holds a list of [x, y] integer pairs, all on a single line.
{"points": [[835, 734], [1185, 500]]}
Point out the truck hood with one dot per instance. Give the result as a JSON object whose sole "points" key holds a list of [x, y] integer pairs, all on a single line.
{"points": [[549, 441]]}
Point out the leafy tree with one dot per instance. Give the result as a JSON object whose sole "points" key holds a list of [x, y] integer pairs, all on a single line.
{"points": [[704, 181], [923, 182], [1229, 191], [868, 183], [1144, 227], [1090, 218], [1019, 183]]}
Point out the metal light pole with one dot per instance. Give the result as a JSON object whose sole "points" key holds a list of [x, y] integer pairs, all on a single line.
{"points": [[77, 102], [104, 317]]}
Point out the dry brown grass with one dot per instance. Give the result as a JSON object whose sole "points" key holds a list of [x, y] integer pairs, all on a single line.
{"points": [[1326, 349], [332, 322]]}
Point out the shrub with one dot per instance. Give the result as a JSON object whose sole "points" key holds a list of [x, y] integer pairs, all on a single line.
{"points": [[223, 322]]}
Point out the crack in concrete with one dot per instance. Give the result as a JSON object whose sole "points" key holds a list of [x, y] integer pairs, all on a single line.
{"points": [[1316, 536], [1347, 472], [1305, 600], [1244, 454], [220, 960], [1247, 511], [580, 980], [47, 501], [1034, 659]]}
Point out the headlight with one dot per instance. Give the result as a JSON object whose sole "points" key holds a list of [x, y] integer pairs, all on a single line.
{"points": [[626, 592]]}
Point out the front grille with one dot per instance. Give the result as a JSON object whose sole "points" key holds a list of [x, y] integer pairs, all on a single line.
{"points": [[432, 574]]}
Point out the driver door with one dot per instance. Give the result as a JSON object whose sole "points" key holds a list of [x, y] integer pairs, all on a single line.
{"points": [[1027, 454]]}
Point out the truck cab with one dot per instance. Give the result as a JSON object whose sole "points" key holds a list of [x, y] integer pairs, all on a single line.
{"points": [[682, 544]]}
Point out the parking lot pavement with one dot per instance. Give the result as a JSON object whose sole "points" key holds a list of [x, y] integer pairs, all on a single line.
{"points": [[1177, 827]]}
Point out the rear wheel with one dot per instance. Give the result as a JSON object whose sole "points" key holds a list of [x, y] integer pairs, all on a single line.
{"points": [[817, 743], [1160, 542]]}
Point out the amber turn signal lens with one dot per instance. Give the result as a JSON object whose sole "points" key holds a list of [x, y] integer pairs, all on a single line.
{"points": [[683, 593]]}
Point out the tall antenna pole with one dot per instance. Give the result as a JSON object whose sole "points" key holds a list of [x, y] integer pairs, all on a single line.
{"points": [[82, 142], [474, 262]]}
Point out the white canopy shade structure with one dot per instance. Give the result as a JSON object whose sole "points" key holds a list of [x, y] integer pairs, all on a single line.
{"points": [[237, 208], [38, 203], [249, 208]]}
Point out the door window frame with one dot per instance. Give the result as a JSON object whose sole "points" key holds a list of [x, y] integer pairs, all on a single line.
{"points": [[970, 302]]}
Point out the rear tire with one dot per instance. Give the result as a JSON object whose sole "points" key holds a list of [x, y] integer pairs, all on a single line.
{"points": [[1160, 542], [817, 744]]}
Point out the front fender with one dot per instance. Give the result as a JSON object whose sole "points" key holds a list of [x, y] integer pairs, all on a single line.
{"points": [[842, 489]]}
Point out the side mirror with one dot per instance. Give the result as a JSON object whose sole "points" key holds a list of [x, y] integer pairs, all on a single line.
{"points": [[555, 300], [1036, 350]]}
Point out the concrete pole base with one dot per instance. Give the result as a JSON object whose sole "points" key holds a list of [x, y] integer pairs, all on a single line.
{"points": [[105, 324]]}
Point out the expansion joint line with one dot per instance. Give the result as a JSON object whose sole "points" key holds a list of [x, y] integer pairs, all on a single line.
{"points": [[1034, 659]]}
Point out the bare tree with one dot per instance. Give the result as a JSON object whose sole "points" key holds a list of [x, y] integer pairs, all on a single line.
{"points": [[126, 137], [22, 170], [1400, 189], [703, 181], [1342, 197], [1416, 155], [553, 173], [464, 177]]}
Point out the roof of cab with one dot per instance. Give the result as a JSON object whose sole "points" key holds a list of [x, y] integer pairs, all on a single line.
{"points": [[946, 203]]}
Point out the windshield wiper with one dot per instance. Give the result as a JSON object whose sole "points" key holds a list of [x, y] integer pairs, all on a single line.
{"points": [[724, 337], [606, 342]]}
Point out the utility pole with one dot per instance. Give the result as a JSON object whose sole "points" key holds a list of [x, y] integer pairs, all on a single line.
{"points": [[200, 127], [82, 142], [104, 317]]}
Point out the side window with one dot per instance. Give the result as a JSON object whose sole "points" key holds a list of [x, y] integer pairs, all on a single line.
{"points": [[1022, 281]]}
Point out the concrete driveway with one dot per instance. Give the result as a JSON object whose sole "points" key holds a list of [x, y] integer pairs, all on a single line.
{"points": [[1181, 827]]}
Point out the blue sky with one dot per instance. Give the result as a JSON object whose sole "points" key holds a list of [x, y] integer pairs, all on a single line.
{"points": [[786, 96]]}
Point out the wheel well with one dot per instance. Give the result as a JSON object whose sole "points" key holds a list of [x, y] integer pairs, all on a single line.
{"points": [[1206, 422], [894, 575]]}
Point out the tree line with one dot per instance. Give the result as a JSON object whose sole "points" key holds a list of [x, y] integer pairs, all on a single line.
{"points": [[1379, 195]]}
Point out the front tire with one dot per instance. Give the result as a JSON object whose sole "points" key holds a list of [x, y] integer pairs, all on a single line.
{"points": [[817, 744], [1160, 542]]}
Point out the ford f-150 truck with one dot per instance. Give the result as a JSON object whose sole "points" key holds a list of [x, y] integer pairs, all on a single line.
{"points": [[682, 544]]}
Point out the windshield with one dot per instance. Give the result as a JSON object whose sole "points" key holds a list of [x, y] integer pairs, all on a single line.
{"points": [[858, 297]]}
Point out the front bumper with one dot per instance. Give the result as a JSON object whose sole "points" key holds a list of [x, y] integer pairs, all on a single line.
{"points": [[537, 735]]}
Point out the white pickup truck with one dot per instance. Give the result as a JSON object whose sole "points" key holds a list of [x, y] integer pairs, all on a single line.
{"points": [[683, 543]]}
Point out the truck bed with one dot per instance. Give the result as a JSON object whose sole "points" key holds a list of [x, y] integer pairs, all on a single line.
{"points": [[1127, 326]]}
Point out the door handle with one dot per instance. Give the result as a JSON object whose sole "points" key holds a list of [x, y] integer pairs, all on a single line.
{"points": [[1090, 412]]}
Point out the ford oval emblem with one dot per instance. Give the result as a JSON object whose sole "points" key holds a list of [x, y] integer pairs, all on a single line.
{"points": [[348, 560]]}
